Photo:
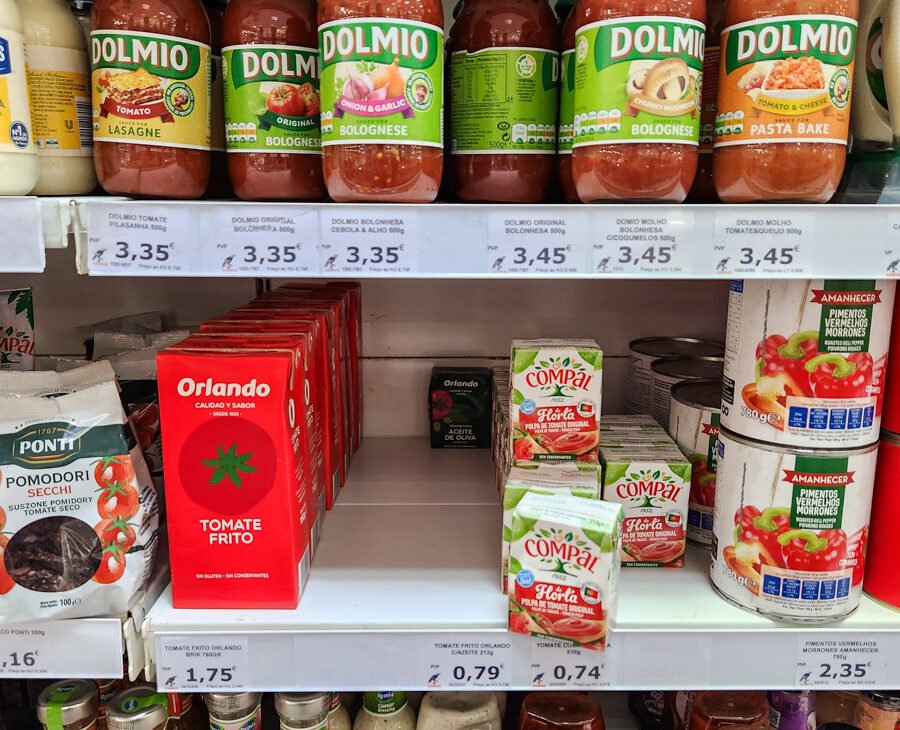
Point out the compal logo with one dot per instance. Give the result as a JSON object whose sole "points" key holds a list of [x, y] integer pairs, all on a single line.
{"points": [[561, 376], [560, 551], [651, 489], [253, 389]]}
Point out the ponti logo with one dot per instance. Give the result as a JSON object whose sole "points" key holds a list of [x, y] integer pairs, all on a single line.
{"points": [[190, 387], [561, 549]]}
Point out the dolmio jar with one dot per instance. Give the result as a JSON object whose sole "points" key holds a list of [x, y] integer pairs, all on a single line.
{"points": [[382, 99], [151, 66], [784, 99], [638, 78]]}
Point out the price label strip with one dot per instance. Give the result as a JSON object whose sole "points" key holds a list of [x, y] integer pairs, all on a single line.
{"points": [[537, 245], [86, 648], [826, 663], [22, 243], [556, 665], [892, 248], [358, 242], [754, 243], [140, 240], [642, 243], [188, 663], [470, 664], [264, 241]]}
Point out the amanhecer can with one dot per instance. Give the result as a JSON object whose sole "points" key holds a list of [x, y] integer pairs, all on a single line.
{"points": [[642, 352], [789, 528], [694, 424], [668, 371], [805, 361]]}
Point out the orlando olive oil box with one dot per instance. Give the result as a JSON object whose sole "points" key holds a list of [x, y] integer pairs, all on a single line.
{"points": [[459, 404]]}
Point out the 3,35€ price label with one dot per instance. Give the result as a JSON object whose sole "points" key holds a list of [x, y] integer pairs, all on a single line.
{"points": [[264, 241], [538, 244], [359, 241], [140, 239], [826, 663], [460, 663], [200, 663], [642, 242], [557, 665], [751, 242]]}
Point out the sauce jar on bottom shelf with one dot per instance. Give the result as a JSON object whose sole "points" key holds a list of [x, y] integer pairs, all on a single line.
{"points": [[234, 710], [385, 710], [714, 710], [459, 711], [382, 128], [139, 708], [151, 122], [338, 716], [560, 711], [877, 710], [303, 710], [69, 705]]}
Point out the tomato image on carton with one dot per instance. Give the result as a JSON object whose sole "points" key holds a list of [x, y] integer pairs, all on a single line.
{"points": [[237, 539], [556, 389], [805, 361]]}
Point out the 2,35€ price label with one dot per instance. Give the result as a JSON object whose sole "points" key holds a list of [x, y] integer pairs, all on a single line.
{"points": [[200, 663], [459, 663], [557, 665], [834, 663], [359, 241], [140, 239]]}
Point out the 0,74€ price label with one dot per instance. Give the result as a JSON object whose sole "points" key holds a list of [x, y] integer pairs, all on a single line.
{"points": [[199, 663], [642, 242], [457, 663], [359, 242], [264, 241], [557, 665], [140, 240], [539, 244], [833, 663], [753, 243]]}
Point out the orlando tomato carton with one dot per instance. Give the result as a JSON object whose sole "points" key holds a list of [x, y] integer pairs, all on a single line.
{"points": [[564, 568], [235, 525], [555, 392]]}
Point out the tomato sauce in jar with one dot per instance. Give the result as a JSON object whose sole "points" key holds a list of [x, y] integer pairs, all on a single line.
{"points": [[382, 99], [784, 99], [638, 77], [271, 57], [151, 120], [568, 18], [504, 77]]}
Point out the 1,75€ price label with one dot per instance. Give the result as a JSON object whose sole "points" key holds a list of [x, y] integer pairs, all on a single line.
{"points": [[751, 242], [834, 663], [140, 239], [200, 663], [557, 665], [458, 663], [359, 241]]}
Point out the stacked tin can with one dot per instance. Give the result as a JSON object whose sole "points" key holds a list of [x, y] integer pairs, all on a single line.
{"points": [[798, 442]]}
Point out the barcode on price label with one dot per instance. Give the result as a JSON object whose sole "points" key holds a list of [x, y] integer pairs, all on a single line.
{"points": [[188, 663], [359, 241], [461, 663], [140, 239], [558, 665], [826, 663], [263, 241]]}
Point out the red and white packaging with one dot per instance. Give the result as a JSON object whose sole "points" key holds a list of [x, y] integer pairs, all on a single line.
{"points": [[882, 579], [237, 536], [890, 415]]}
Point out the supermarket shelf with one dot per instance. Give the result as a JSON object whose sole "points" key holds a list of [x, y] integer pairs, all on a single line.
{"points": [[224, 239], [406, 577]]}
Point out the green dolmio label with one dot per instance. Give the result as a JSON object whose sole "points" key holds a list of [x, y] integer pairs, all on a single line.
{"points": [[638, 80], [272, 99], [382, 82], [504, 100], [566, 103]]}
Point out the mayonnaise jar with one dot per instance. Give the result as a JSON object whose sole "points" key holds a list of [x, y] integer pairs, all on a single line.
{"points": [[18, 156], [59, 86]]}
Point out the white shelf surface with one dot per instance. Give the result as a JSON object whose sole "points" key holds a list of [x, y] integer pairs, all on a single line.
{"points": [[411, 560], [232, 239]]}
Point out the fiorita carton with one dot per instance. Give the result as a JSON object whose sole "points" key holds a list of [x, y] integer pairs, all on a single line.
{"points": [[564, 567]]}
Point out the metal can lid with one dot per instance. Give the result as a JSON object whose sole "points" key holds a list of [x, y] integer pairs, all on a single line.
{"points": [[689, 367], [82, 5], [700, 393], [303, 706], [890, 699], [683, 346], [219, 703], [891, 437], [138, 708], [65, 703]]}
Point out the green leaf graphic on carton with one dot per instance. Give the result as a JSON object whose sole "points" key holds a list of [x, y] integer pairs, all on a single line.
{"points": [[614, 472], [229, 464], [592, 357], [517, 397], [514, 566], [521, 526], [507, 534], [682, 470], [597, 534], [513, 495], [523, 359]]}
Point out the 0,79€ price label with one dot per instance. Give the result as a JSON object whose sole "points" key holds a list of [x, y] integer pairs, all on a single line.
{"points": [[644, 242], [530, 245], [457, 663], [557, 665], [68, 648], [264, 241], [359, 242], [834, 663], [188, 663], [752, 243], [139, 240]]}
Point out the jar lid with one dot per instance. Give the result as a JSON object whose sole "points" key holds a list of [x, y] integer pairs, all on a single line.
{"points": [[219, 703], [890, 698], [82, 5], [302, 706], [564, 4], [65, 703], [138, 708]]}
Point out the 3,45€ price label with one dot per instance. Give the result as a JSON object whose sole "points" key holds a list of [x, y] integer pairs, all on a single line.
{"points": [[538, 244], [752, 242], [200, 663], [826, 663], [643, 242], [460, 663]]}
